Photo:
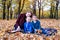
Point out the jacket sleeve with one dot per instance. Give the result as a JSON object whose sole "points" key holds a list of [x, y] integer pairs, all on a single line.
{"points": [[24, 27], [33, 26], [39, 26]]}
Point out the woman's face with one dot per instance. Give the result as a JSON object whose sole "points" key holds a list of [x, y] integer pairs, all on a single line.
{"points": [[28, 14]]}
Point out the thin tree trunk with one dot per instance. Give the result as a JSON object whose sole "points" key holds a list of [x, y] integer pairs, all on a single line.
{"points": [[34, 11], [8, 13], [39, 6], [34, 7], [39, 12], [19, 7], [11, 11], [42, 12], [8, 6], [57, 9], [55, 13], [4, 10], [51, 11], [22, 6]]}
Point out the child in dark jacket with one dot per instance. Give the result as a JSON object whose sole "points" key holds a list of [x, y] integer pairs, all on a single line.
{"points": [[36, 23], [28, 26], [37, 27]]}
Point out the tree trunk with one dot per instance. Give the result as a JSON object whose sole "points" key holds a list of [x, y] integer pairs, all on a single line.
{"points": [[34, 7], [11, 13], [39, 6], [51, 11], [22, 6], [8, 13], [4, 11], [57, 9], [11, 10], [34, 11], [55, 13], [8, 6], [42, 12], [19, 8], [39, 12]]}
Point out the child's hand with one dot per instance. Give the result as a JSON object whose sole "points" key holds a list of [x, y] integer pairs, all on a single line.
{"points": [[36, 30], [28, 32], [39, 31]]}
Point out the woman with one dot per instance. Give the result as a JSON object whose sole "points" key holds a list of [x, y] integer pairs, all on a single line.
{"points": [[19, 26]]}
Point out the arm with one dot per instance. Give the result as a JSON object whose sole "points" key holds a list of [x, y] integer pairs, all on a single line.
{"points": [[39, 25], [33, 27], [24, 27]]}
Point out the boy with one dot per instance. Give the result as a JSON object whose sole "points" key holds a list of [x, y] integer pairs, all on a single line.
{"points": [[28, 26], [36, 24], [39, 29]]}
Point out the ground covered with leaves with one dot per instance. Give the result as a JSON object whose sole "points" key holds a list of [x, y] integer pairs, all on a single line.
{"points": [[45, 23]]}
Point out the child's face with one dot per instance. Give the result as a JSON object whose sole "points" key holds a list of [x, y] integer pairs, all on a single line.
{"points": [[34, 18], [28, 19]]}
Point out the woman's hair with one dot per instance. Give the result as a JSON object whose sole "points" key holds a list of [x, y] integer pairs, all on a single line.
{"points": [[30, 12]]}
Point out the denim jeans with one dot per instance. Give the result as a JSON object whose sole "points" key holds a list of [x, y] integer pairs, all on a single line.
{"points": [[48, 31]]}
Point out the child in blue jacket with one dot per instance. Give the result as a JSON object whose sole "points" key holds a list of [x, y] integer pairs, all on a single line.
{"points": [[28, 26], [37, 27], [36, 23]]}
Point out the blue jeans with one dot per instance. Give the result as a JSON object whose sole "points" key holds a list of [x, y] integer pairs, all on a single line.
{"points": [[46, 30]]}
